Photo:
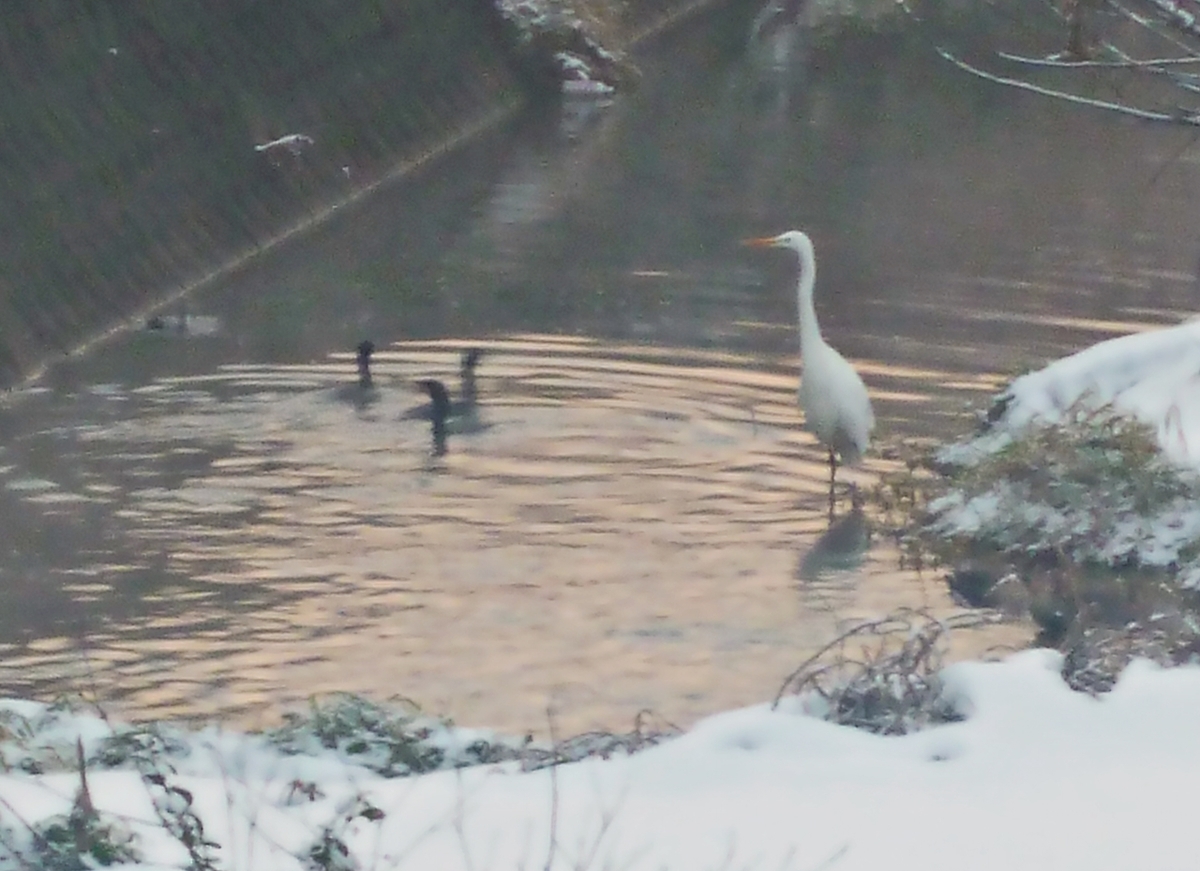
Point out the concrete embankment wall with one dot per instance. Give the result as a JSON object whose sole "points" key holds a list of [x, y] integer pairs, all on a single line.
{"points": [[132, 160]]}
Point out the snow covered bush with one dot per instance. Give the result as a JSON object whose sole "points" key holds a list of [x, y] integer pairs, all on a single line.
{"points": [[1091, 486]]}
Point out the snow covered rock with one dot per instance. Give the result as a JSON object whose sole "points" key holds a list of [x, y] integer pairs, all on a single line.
{"points": [[561, 42]]}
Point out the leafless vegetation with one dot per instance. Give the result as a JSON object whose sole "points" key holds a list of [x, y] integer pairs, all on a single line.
{"points": [[1096, 655], [1138, 58], [648, 730], [880, 675]]}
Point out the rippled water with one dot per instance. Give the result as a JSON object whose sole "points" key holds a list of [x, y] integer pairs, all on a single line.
{"points": [[629, 527], [206, 523]]}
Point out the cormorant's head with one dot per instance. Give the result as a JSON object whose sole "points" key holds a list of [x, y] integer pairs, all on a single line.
{"points": [[365, 349], [438, 395]]}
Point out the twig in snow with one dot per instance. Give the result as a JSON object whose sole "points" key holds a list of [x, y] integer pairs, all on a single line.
{"points": [[460, 822], [553, 846], [836, 857], [12, 852]]}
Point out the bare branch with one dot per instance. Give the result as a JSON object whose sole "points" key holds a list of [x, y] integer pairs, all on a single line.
{"points": [[1178, 17], [1168, 33], [897, 621], [1058, 62], [1181, 117], [828, 863]]}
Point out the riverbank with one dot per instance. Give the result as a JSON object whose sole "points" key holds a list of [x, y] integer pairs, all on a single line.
{"points": [[789, 785]]}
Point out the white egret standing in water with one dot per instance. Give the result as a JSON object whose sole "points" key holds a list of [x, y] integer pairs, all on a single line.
{"points": [[832, 395]]}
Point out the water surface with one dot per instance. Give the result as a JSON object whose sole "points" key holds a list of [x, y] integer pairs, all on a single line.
{"points": [[197, 524]]}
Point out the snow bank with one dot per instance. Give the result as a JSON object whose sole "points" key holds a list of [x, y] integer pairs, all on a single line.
{"points": [[1153, 377], [1035, 777]]}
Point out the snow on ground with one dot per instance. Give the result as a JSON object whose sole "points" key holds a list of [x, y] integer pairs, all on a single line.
{"points": [[1035, 777]]}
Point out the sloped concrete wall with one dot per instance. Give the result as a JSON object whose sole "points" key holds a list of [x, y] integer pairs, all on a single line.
{"points": [[137, 153]]}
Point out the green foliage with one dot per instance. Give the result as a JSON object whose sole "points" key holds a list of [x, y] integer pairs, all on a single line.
{"points": [[1091, 488], [394, 743], [139, 746], [1095, 453], [81, 840], [329, 851], [45, 741], [16, 733], [38, 743]]}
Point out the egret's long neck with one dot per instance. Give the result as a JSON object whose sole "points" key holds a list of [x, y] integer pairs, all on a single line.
{"points": [[810, 333]]}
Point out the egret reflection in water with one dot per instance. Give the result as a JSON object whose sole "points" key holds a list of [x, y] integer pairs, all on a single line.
{"points": [[841, 548]]}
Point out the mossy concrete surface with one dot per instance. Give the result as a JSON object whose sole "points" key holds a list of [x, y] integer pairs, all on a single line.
{"points": [[147, 144]]}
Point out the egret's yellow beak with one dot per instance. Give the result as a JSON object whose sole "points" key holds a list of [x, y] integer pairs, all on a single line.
{"points": [[763, 242]]}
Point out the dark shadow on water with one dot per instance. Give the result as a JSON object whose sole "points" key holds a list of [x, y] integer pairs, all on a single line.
{"points": [[840, 548]]}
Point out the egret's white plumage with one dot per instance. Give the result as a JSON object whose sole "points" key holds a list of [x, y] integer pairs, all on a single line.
{"points": [[832, 395]]}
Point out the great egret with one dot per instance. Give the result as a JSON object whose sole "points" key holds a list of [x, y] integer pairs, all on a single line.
{"points": [[439, 404], [832, 395], [462, 407]]}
